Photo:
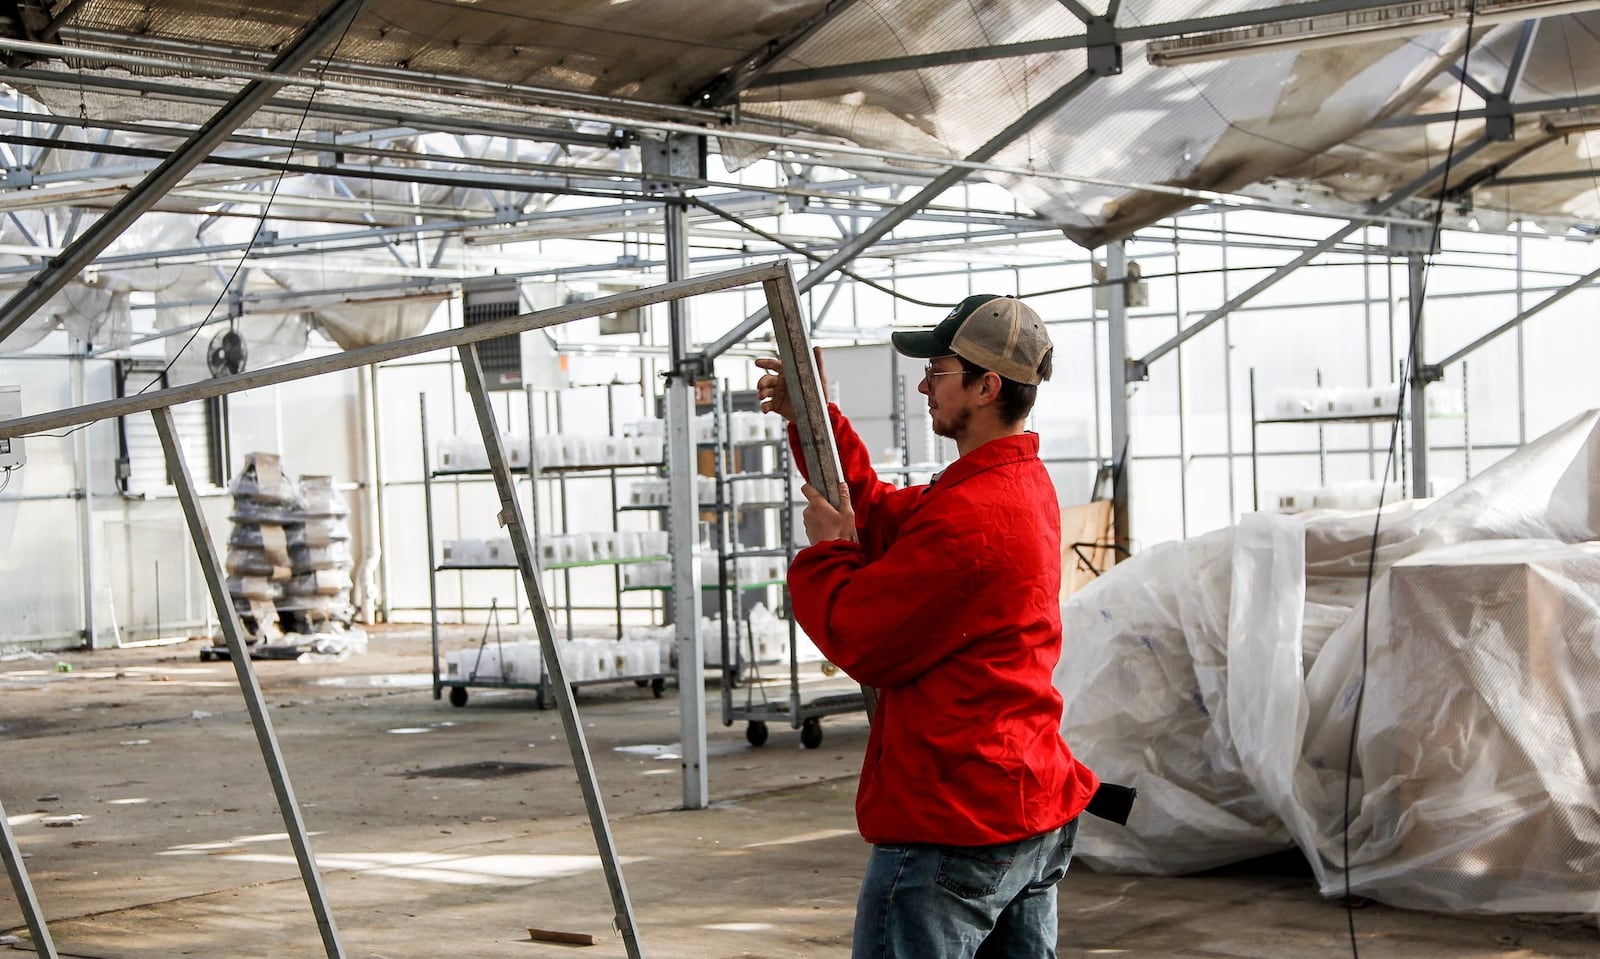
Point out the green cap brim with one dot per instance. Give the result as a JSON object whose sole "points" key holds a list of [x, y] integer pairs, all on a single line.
{"points": [[921, 344]]}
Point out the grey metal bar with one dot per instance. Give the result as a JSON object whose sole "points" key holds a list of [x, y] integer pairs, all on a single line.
{"points": [[1522, 317], [433, 555], [521, 534], [233, 635], [365, 114], [686, 583], [805, 381], [1077, 10], [810, 407], [1531, 106], [1416, 291], [61, 269], [865, 68], [1117, 351], [110, 44], [60, 20], [726, 88], [1000, 51], [1470, 82], [892, 218], [1586, 174], [681, 518], [37, 928], [1519, 58], [1139, 368], [350, 359]]}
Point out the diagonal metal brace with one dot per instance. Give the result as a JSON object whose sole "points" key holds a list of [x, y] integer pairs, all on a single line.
{"points": [[37, 929], [522, 543], [255, 703]]}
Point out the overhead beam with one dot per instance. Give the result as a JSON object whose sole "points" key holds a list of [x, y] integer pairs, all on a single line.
{"points": [[1226, 21], [1078, 10], [1555, 105], [892, 218], [726, 88], [82, 251], [1470, 82], [1519, 57], [49, 31], [1531, 178], [112, 46], [1140, 369]]}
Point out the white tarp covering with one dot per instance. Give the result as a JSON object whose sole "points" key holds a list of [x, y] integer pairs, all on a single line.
{"points": [[1221, 676]]}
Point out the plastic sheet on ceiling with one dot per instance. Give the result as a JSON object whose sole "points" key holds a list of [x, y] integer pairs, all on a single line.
{"points": [[1251, 124]]}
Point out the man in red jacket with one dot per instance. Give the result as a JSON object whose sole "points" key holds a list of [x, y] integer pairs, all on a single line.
{"points": [[944, 598]]}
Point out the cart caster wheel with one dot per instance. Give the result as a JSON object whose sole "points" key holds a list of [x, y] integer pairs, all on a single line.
{"points": [[811, 733], [458, 696], [756, 733], [658, 686], [205, 656]]}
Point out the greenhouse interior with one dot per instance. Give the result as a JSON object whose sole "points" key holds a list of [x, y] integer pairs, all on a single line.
{"points": [[474, 475]]}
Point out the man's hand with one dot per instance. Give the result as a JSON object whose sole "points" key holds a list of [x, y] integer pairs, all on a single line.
{"points": [[773, 389], [822, 521]]}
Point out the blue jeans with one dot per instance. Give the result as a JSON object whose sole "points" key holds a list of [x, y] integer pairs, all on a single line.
{"points": [[963, 902]]}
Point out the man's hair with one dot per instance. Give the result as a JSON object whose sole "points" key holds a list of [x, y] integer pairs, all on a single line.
{"points": [[1016, 399]]}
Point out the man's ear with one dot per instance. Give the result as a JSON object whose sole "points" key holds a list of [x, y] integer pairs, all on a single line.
{"points": [[990, 393]]}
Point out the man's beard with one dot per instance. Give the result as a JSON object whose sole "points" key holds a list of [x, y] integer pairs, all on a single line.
{"points": [[956, 428]]}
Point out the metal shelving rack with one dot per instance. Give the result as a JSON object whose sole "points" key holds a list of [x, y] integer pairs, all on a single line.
{"points": [[1368, 418], [757, 710], [458, 687]]}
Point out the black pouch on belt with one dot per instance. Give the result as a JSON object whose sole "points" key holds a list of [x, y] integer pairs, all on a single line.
{"points": [[1112, 802]]}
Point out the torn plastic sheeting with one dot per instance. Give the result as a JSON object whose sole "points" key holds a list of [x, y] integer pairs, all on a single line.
{"points": [[1274, 744], [1142, 675], [1479, 746]]}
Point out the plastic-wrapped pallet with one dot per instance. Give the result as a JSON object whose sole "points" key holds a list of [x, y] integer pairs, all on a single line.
{"points": [[318, 594], [259, 563]]}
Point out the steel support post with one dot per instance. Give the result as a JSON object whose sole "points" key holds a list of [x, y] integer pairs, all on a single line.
{"points": [[83, 470], [255, 704], [1117, 350], [37, 929], [682, 517], [1416, 274], [61, 269], [511, 517]]}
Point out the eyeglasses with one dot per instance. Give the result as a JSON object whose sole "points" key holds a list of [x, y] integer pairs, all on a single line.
{"points": [[928, 373]]}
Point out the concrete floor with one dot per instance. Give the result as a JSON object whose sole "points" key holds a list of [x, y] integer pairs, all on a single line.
{"points": [[179, 849]]}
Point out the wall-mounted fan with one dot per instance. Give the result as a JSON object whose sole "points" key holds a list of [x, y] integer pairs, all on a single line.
{"points": [[227, 353]]}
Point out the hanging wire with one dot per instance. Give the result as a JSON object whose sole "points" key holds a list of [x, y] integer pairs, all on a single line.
{"points": [[1394, 433], [255, 234], [261, 220]]}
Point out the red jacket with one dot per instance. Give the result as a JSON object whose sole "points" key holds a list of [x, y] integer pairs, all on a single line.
{"points": [[950, 607]]}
